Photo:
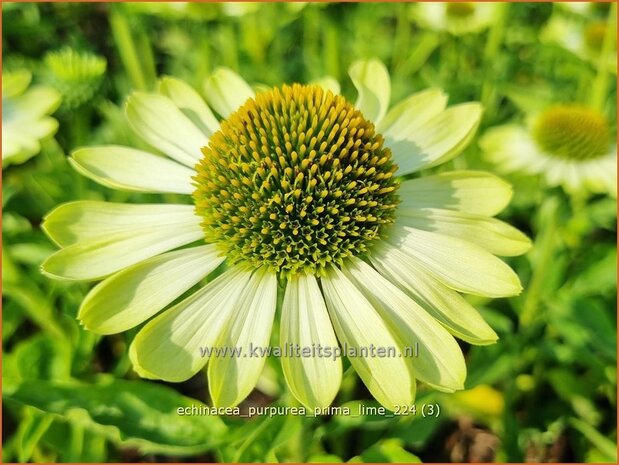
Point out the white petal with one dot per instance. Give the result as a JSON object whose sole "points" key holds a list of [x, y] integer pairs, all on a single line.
{"points": [[495, 236], [438, 140], [440, 361], [36, 102], [458, 264], [305, 322], [231, 377], [88, 220], [358, 324], [226, 91], [327, 83], [101, 238], [159, 122], [15, 83], [133, 295], [444, 304], [474, 192], [510, 148], [130, 169], [371, 79], [190, 103], [170, 347], [408, 115]]}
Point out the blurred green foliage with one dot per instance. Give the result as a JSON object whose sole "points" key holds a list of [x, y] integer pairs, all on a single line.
{"points": [[545, 392]]}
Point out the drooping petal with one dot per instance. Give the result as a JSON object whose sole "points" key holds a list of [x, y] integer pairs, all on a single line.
{"points": [[190, 103], [495, 236], [304, 323], [438, 140], [159, 122], [226, 91], [474, 192], [439, 361], [357, 324], [134, 170], [372, 82], [232, 377], [446, 305], [458, 264], [133, 295], [175, 345]]}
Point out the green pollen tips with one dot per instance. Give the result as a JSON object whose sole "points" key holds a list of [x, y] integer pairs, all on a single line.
{"points": [[572, 132], [296, 180], [460, 9]]}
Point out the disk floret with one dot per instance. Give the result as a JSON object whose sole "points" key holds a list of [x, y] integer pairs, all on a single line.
{"points": [[572, 132], [296, 179]]}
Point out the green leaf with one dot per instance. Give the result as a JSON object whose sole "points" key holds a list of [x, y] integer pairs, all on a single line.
{"points": [[578, 392], [74, 444], [599, 274], [40, 357], [324, 458], [416, 431], [585, 323], [24, 292], [604, 445], [31, 428], [387, 451], [260, 439], [130, 413]]}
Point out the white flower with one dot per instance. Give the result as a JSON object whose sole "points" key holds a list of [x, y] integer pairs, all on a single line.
{"points": [[24, 116], [569, 145], [296, 183], [454, 17], [583, 38]]}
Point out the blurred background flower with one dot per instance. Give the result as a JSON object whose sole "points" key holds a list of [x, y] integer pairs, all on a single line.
{"points": [[569, 145], [25, 119], [454, 17], [76, 75]]}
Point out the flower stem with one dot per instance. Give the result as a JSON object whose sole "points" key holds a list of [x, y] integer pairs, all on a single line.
{"points": [[127, 48], [599, 90], [331, 49], [495, 38], [544, 252], [402, 36]]}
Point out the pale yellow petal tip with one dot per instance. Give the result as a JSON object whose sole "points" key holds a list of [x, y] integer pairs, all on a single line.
{"points": [[486, 341], [220, 72], [367, 62], [476, 109], [140, 371], [85, 322], [308, 404], [314, 401], [397, 405], [165, 81], [76, 164], [49, 272], [225, 398], [135, 98], [451, 386], [527, 244]]}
